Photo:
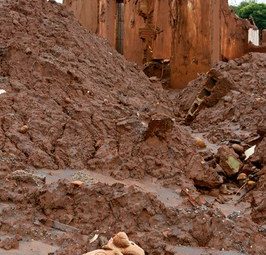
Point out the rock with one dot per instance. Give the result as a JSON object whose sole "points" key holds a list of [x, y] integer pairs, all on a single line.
{"points": [[203, 175], [68, 100], [28, 51], [241, 177], [251, 183], [228, 160], [24, 129], [119, 245], [238, 148], [200, 143], [77, 183]]}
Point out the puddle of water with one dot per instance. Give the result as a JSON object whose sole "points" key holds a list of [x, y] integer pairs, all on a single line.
{"points": [[184, 250], [167, 196], [30, 248]]}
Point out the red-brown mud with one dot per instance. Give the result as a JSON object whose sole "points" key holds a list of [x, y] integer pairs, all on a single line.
{"points": [[72, 108]]}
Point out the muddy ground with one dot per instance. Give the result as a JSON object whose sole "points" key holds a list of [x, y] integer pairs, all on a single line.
{"points": [[89, 146]]}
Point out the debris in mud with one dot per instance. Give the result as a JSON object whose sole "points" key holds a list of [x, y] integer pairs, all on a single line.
{"points": [[238, 148], [249, 152], [119, 245], [217, 85], [228, 160], [200, 143], [158, 70]]}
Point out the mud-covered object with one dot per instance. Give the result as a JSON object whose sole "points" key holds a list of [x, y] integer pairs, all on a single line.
{"points": [[228, 160], [119, 245]]}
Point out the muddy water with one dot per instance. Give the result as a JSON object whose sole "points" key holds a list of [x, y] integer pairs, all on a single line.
{"points": [[169, 197]]}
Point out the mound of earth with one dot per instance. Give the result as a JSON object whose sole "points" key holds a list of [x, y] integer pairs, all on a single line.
{"points": [[70, 101], [238, 114]]}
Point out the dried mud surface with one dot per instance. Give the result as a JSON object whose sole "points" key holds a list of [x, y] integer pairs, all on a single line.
{"points": [[73, 109]]}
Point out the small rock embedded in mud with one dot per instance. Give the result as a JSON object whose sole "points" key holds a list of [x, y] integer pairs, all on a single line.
{"points": [[68, 100], [251, 183], [28, 51], [77, 183], [24, 129], [241, 176], [238, 148], [200, 143]]}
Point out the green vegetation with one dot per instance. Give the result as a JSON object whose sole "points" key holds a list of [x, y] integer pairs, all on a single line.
{"points": [[251, 8]]}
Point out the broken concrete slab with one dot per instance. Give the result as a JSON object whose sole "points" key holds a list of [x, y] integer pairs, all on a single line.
{"points": [[216, 86]]}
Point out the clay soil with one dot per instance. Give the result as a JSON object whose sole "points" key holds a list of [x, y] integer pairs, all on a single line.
{"points": [[90, 147]]}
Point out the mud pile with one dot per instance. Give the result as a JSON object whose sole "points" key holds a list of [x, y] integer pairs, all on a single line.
{"points": [[241, 111], [69, 216], [70, 101]]}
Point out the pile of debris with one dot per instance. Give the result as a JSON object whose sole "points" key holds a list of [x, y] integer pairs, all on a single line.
{"points": [[71, 101]]}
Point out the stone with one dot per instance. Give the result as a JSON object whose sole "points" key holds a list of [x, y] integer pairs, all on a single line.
{"points": [[238, 148], [24, 129], [28, 51], [241, 177], [77, 183], [200, 143], [228, 160]]}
